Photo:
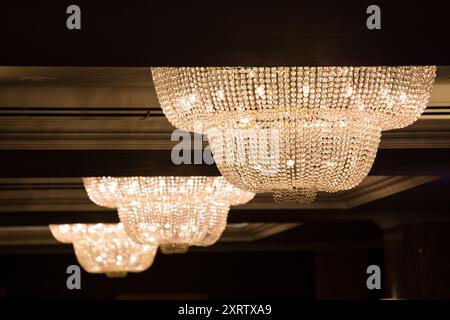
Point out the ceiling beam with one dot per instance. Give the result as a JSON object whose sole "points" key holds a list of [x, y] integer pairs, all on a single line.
{"points": [[218, 247], [148, 129], [386, 212], [46, 218], [84, 163], [383, 217]]}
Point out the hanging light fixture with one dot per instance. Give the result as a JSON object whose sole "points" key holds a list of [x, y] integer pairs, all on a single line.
{"points": [[293, 131], [175, 212], [105, 248]]}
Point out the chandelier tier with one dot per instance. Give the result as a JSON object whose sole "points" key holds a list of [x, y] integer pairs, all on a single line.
{"points": [[175, 223], [105, 248], [293, 131], [110, 191], [297, 157], [175, 212]]}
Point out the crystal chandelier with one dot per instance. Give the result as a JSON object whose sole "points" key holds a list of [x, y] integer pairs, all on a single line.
{"points": [[105, 248], [175, 212], [293, 131]]}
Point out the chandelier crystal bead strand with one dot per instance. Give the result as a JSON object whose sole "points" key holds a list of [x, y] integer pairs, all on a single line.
{"points": [[293, 131]]}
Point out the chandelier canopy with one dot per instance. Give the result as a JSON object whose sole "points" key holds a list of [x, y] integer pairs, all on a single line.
{"points": [[174, 212], [293, 131], [105, 248]]}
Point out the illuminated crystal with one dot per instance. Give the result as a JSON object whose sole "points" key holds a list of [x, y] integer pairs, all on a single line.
{"points": [[175, 212], [105, 248], [294, 131]]}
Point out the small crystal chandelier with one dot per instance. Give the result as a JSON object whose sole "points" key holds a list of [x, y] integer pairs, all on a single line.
{"points": [[175, 212], [105, 248], [293, 131]]}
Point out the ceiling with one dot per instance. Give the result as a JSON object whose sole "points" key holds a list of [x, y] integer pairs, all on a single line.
{"points": [[232, 33], [58, 124]]}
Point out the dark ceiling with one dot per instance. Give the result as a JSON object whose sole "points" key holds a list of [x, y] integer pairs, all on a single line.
{"points": [[233, 32]]}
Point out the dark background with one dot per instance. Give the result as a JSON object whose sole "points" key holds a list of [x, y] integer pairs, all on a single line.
{"points": [[197, 275], [232, 32]]}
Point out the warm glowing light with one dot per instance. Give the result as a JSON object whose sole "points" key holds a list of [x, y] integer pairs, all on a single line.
{"points": [[294, 131], [105, 248], [175, 212]]}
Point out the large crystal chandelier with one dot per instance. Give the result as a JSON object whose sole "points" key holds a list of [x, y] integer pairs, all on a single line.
{"points": [[293, 131], [175, 212], [105, 248]]}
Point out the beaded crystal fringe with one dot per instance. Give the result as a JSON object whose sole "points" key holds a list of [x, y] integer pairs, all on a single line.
{"points": [[174, 248], [303, 196]]}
